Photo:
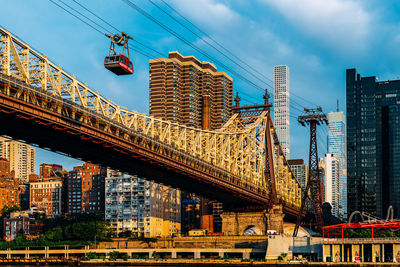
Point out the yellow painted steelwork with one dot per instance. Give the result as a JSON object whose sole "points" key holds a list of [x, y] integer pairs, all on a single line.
{"points": [[236, 148]]}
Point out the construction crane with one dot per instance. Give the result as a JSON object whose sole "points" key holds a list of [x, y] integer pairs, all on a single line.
{"points": [[312, 117]]}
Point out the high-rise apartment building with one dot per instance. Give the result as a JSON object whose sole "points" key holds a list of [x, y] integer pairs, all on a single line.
{"points": [[188, 91], [337, 147], [373, 144], [300, 170], [332, 193], [21, 157], [85, 187], [281, 107], [140, 206]]}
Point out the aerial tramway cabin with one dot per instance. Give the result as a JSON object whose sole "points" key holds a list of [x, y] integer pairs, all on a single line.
{"points": [[118, 64]]}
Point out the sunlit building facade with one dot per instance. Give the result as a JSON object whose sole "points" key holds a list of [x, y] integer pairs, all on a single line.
{"points": [[21, 157], [332, 193], [85, 187], [140, 206], [337, 146], [47, 195], [282, 107], [300, 170]]}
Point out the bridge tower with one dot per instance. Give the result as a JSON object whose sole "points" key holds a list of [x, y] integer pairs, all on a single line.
{"points": [[312, 117], [271, 216]]}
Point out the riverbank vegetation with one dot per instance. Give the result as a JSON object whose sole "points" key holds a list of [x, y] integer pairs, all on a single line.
{"points": [[74, 230]]}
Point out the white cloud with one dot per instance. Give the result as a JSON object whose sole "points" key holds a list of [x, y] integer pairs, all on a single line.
{"points": [[208, 13], [336, 22]]}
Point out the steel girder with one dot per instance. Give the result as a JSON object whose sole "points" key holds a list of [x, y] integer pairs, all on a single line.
{"points": [[237, 150]]}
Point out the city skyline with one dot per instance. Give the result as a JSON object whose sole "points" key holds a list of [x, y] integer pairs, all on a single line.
{"points": [[239, 82], [185, 131]]}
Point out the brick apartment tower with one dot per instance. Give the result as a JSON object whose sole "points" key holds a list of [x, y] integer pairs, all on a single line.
{"points": [[187, 91], [86, 189]]}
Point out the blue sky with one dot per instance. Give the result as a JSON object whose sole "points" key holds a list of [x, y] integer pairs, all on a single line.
{"points": [[317, 39]]}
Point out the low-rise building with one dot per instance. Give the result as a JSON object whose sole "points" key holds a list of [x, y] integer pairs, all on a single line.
{"points": [[23, 222], [9, 186], [140, 206], [47, 195], [51, 170]]}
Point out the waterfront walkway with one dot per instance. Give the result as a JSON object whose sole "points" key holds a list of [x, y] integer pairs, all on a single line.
{"points": [[173, 253]]}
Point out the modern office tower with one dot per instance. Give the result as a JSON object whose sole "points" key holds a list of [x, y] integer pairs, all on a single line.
{"points": [[373, 144], [188, 91], [332, 193], [281, 107], [85, 186], [337, 147], [21, 157], [47, 195], [300, 170], [140, 206]]}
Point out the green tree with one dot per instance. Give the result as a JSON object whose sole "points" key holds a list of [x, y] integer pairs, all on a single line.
{"points": [[6, 210], [55, 234]]}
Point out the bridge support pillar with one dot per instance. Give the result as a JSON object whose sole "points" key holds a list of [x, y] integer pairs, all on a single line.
{"points": [[235, 223], [275, 218]]}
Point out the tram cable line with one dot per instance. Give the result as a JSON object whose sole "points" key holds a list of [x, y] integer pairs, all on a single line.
{"points": [[180, 37]]}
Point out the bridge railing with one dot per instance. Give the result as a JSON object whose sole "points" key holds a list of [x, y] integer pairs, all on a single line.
{"points": [[21, 90]]}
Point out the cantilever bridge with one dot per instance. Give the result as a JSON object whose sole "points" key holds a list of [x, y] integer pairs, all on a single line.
{"points": [[241, 164]]}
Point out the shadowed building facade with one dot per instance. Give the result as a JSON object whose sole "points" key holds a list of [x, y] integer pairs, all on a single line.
{"points": [[373, 144]]}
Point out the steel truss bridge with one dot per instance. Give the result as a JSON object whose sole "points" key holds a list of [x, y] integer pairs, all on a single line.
{"points": [[240, 164]]}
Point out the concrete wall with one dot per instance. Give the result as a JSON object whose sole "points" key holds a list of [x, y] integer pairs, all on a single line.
{"points": [[256, 242], [278, 244]]}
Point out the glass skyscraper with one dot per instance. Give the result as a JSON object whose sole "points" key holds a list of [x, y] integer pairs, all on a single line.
{"points": [[337, 147], [373, 144]]}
